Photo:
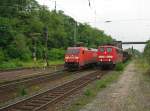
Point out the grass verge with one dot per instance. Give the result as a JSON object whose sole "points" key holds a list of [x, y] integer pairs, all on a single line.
{"points": [[121, 66], [14, 64], [143, 65], [92, 90]]}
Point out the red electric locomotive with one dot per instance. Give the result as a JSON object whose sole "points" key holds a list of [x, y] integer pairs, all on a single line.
{"points": [[109, 55], [126, 55], [79, 57]]}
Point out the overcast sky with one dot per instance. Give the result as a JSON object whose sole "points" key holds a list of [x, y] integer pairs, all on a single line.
{"points": [[130, 18]]}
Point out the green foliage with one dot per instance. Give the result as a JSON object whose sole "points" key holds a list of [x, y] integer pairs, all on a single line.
{"points": [[133, 52], [147, 52], [5, 65], [18, 49], [22, 91], [2, 56], [16, 63], [22, 26], [88, 92], [119, 67], [10, 64], [56, 54]]}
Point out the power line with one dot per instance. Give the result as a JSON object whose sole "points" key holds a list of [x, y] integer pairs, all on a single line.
{"points": [[89, 3], [122, 20]]}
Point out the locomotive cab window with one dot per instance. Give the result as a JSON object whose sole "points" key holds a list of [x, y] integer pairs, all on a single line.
{"points": [[73, 51], [109, 49], [101, 49]]}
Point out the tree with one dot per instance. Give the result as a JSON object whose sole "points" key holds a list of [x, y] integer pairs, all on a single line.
{"points": [[147, 51], [19, 19]]}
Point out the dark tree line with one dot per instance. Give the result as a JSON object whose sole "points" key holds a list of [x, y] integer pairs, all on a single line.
{"points": [[22, 24]]}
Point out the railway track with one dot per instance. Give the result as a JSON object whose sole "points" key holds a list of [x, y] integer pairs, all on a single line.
{"points": [[13, 89], [50, 97], [24, 68], [30, 80]]}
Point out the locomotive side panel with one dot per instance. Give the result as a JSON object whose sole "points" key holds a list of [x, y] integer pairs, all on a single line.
{"points": [[78, 57]]}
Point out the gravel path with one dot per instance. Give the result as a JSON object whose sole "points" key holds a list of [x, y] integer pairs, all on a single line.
{"points": [[124, 95]]}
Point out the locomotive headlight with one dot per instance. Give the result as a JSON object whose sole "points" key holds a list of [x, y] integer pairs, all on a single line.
{"points": [[109, 56], [76, 57], [66, 57], [101, 56]]}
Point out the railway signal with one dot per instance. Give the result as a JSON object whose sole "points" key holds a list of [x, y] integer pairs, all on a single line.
{"points": [[34, 39]]}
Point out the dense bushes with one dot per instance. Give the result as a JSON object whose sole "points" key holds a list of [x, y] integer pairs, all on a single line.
{"points": [[119, 67], [2, 56], [18, 48], [56, 54], [10, 64]]}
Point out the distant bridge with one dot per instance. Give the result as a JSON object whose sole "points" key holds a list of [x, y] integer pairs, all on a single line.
{"points": [[134, 42]]}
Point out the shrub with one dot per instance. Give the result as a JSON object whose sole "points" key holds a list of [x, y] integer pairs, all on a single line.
{"points": [[18, 49], [88, 92], [11, 64], [147, 52], [2, 57], [119, 67], [17, 62], [6, 65], [22, 91], [56, 54]]}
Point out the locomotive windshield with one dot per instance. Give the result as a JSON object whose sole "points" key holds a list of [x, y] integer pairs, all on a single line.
{"points": [[101, 49], [109, 49], [73, 51]]}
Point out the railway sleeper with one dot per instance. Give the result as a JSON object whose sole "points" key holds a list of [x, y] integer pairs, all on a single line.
{"points": [[44, 99], [68, 88], [56, 95], [32, 104], [49, 97], [63, 90], [24, 108], [14, 110], [60, 92], [38, 102]]}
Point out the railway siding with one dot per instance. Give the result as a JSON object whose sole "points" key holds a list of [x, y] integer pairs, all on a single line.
{"points": [[40, 101], [12, 75], [20, 91]]}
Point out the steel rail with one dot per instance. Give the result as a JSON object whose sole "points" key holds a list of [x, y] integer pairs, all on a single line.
{"points": [[24, 68], [51, 96], [14, 83]]}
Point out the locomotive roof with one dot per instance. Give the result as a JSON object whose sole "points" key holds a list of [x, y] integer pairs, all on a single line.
{"points": [[110, 46], [82, 48], [77, 47]]}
